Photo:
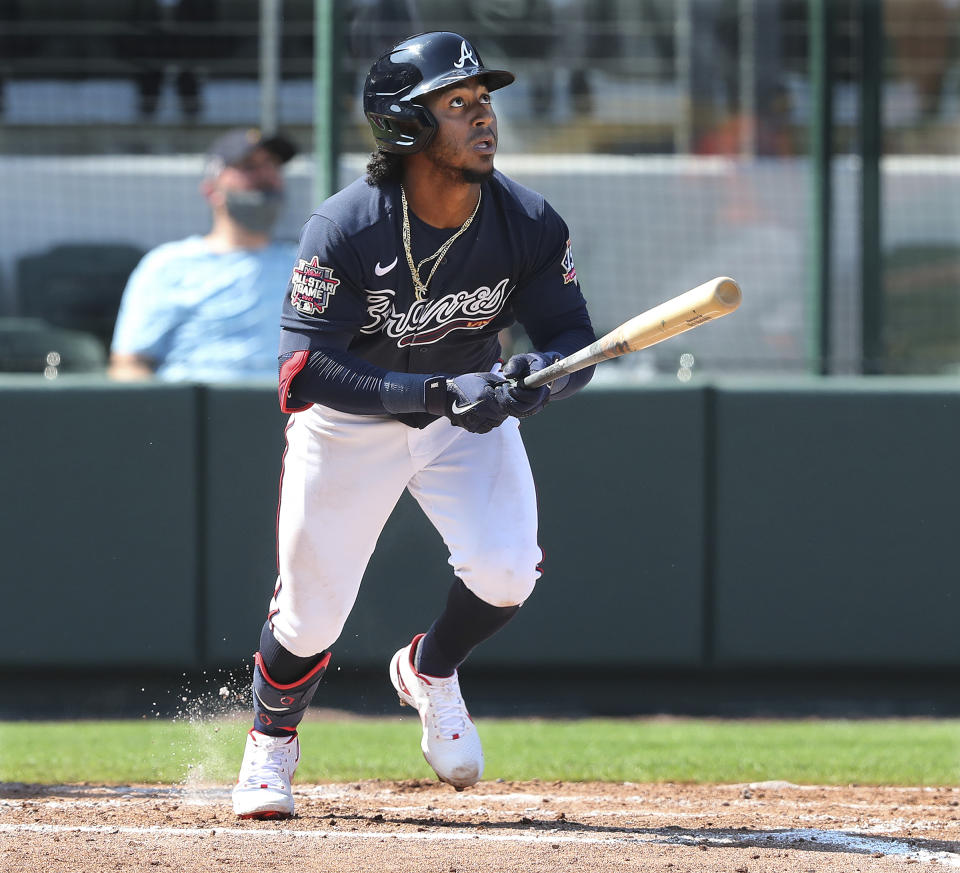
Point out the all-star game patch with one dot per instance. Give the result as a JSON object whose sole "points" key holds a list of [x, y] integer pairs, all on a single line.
{"points": [[569, 271], [313, 286]]}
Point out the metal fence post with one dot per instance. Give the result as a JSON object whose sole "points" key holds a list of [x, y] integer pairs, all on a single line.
{"points": [[325, 121], [683, 125], [820, 22], [871, 148], [747, 77], [269, 63]]}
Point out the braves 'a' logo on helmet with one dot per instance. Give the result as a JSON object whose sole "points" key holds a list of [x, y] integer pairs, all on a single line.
{"points": [[466, 54]]}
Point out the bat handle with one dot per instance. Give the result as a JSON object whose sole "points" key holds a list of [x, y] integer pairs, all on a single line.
{"points": [[532, 384]]}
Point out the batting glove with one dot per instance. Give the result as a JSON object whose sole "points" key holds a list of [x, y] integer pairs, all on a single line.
{"points": [[473, 402], [522, 402]]}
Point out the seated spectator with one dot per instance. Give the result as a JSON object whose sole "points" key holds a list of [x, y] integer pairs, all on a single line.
{"points": [[206, 308]]}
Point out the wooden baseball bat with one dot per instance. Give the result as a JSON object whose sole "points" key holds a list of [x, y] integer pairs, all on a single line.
{"points": [[706, 302]]}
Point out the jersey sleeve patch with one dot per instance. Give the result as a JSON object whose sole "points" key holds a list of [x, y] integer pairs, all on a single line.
{"points": [[569, 271], [312, 286]]}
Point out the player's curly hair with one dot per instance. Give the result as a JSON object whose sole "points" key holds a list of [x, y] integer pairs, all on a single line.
{"points": [[383, 167]]}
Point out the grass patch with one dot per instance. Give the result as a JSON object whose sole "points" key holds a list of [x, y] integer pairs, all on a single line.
{"points": [[881, 752]]}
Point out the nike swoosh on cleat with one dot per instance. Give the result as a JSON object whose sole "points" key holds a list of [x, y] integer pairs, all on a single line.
{"points": [[457, 409], [382, 271], [403, 685]]}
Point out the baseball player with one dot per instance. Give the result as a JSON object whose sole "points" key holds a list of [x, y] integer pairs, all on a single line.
{"points": [[389, 366]]}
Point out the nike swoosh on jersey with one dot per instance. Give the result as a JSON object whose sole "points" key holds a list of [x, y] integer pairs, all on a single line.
{"points": [[382, 271], [457, 409]]}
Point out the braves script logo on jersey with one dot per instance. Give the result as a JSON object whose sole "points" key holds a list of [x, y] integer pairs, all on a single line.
{"points": [[429, 321], [569, 271], [313, 286]]}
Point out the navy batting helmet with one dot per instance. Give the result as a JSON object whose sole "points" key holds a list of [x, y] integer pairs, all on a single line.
{"points": [[410, 70]]}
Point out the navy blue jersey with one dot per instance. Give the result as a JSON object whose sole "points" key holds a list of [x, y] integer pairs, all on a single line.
{"points": [[352, 277], [351, 288]]}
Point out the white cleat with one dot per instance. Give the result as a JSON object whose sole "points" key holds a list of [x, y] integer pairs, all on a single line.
{"points": [[263, 789], [450, 741]]}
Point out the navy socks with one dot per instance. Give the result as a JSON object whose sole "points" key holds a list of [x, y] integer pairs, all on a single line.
{"points": [[465, 622]]}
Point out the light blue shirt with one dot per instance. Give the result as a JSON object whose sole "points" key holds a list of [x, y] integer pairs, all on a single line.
{"points": [[204, 315]]}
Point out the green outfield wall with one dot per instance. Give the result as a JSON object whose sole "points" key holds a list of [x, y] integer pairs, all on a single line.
{"points": [[99, 536], [836, 510], [802, 523]]}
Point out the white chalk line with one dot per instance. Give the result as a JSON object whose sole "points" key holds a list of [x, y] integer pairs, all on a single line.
{"points": [[637, 815], [219, 796], [415, 836], [863, 844], [335, 791], [840, 840]]}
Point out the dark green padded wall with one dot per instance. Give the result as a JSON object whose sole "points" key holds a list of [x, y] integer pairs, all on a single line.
{"points": [[837, 515], [242, 433], [619, 485], [99, 525], [619, 479], [788, 524]]}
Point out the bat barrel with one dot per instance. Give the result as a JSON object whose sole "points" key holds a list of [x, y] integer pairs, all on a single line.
{"points": [[706, 302]]}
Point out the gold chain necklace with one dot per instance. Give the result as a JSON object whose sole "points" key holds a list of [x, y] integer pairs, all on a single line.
{"points": [[418, 285]]}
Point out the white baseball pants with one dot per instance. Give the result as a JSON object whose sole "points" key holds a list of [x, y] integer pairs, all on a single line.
{"points": [[342, 476]]}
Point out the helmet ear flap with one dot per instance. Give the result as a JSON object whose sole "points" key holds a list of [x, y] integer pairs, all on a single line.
{"points": [[403, 132], [428, 125]]}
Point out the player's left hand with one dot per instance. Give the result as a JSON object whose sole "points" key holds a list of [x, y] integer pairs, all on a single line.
{"points": [[472, 401]]}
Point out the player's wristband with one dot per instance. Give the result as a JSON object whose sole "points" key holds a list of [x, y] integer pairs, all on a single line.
{"points": [[414, 392]]}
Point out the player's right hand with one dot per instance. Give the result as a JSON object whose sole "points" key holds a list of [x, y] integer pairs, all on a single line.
{"points": [[472, 402]]}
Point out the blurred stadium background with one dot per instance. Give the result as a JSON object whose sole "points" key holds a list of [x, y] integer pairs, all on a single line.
{"points": [[808, 148]]}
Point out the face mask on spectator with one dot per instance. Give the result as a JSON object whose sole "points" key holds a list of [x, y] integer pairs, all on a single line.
{"points": [[256, 210]]}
